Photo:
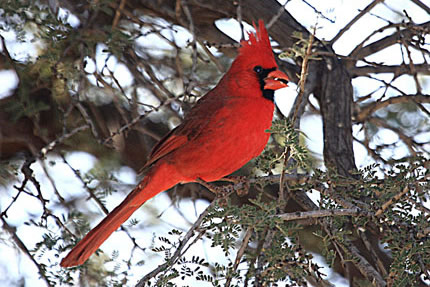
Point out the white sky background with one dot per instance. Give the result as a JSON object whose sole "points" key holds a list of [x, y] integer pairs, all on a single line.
{"points": [[13, 264]]}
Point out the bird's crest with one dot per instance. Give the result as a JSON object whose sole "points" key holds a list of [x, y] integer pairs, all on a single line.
{"points": [[257, 42]]}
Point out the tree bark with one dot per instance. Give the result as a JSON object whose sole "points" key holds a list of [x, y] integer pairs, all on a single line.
{"points": [[335, 95]]}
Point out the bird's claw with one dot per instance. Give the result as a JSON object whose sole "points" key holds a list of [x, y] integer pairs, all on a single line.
{"points": [[239, 183]]}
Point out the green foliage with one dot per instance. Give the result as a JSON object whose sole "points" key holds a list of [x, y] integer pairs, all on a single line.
{"points": [[402, 224], [283, 261], [25, 107], [8, 170], [31, 20], [54, 69], [395, 204], [288, 138], [299, 48]]}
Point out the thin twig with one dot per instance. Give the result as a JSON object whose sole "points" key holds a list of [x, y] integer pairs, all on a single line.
{"points": [[12, 231], [409, 141], [52, 182], [28, 174], [274, 178], [87, 119], [397, 70], [97, 200], [422, 5], [299, 215], [115, 100], [304, 72], [319, 12], [149, 70], [239, 255], [392, 201], [303, 76], [219, 66], [187, 13], [118, 14], [134, 121], [275, 17], [411, 66], [257, 254], [182, 244], [239, 19], [345, 265], [410, 30], [366, 144], [61, 139], [353, 21]]}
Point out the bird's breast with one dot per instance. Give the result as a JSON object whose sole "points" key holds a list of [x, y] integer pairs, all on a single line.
{"points": [[234, 135]]}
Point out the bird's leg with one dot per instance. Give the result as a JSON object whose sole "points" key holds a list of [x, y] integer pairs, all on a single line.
{"points": [[219, 191], [240, 184]]}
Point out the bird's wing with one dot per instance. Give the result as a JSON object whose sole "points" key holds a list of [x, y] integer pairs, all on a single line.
{"points": [[166, 145], [194, 123]]}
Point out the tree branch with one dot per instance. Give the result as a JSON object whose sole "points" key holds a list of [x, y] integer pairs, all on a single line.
{"points": [[239, 254], [12, 232], [353, 21], [392, 201], [363, 265], [178, 251], [407, 33], [395, 69], [422, 5], [299, 215], [365, 112]]}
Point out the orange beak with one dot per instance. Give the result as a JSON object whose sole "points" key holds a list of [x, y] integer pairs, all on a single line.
{"points": [[275, 80]]}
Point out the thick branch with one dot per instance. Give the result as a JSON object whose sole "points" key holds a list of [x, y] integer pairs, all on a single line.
{"points": [[395, 69], [366, 111], [335, 97], [422, 5], [364, 266], [385, 42]]}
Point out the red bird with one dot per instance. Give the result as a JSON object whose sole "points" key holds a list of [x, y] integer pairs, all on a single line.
{"points": [[223, 131]]}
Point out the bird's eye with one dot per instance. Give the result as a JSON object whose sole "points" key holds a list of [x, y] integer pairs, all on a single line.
{"points": [[258, 69]]}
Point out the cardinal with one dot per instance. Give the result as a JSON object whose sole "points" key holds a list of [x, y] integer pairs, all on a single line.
{"points": [[222, 132]]}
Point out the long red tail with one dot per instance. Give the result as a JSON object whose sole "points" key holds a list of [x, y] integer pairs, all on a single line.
{"points": [[156, 181]]}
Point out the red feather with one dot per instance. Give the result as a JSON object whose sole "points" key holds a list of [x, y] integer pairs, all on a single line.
{"points": [[224, 130]]}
